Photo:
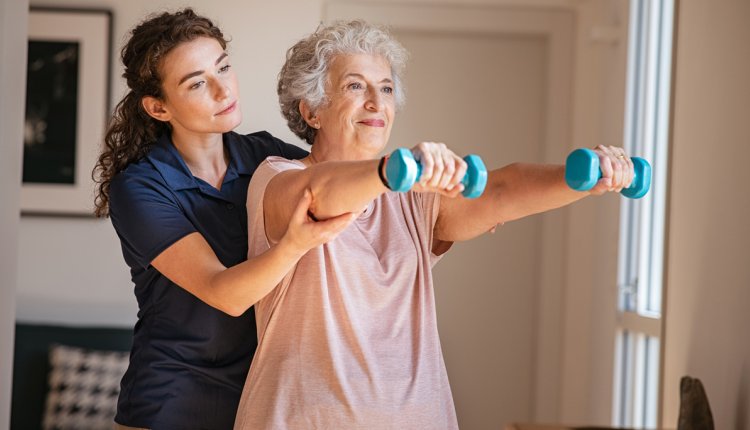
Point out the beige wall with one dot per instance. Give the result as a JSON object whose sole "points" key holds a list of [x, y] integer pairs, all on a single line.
{"points": [[708, 287], [708, 272], [64, 292], [570, 347], [12, 77]]}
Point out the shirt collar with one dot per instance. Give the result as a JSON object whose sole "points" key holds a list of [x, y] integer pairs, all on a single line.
{"points": [[238, 165], [169, 163]]}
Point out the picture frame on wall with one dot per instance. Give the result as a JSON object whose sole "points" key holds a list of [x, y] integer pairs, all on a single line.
{"points": [[67, 107]]}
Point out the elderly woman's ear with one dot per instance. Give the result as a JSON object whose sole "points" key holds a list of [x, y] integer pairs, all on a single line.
{"points": [[309, 116]]}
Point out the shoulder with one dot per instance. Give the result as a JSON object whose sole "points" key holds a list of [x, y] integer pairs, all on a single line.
{"points": [[271, 167], [139, 181], [259, 145], [280, 164], [139, 174]]}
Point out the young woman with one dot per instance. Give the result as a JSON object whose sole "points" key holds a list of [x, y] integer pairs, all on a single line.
{"points": [[173, 177]]}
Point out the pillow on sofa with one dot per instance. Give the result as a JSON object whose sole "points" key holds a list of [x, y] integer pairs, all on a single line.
{"points": [[83, 388]]}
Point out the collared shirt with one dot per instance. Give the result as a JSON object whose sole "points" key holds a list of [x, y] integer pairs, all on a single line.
{"points": [[189, 360]]}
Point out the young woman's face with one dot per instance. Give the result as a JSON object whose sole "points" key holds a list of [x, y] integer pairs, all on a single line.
{"points": [[201, 94]]}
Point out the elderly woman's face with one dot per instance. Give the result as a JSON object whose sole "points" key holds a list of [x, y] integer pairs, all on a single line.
{"points": [[361, 105]]}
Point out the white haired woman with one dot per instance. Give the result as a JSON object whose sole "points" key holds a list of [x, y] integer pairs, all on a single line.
{"points": [[349, 338]]}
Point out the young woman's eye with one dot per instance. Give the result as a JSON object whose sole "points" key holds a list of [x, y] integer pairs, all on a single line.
{"points": [[225, 68], [197, 85]]}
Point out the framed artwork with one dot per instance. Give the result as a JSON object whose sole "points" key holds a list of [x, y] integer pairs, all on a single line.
{"points": [[67, 106]]}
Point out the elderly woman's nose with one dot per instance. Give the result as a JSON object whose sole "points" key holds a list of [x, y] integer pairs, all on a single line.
{"points": [[374, 100]]}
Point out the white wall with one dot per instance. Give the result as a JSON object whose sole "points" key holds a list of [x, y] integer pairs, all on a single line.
{"points": [[12, 78], [90, 284], [708, 275]]}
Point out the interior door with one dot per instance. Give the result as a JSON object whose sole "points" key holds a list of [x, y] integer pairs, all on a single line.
{"points": [[490, 81]]}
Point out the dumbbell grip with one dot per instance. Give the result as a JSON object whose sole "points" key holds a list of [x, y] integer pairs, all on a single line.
{"points": [[403, 171], [464, 180], [582, 172]]}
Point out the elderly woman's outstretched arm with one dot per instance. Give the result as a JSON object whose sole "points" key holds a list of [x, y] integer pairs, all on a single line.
{"points": [[340, 187], [519, 190]]}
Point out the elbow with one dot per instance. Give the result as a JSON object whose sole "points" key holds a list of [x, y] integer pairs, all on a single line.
{"points": [[231, 309], [225, 303]]}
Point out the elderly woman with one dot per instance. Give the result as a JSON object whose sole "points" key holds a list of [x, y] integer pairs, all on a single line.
{"points": [[349, 338]]}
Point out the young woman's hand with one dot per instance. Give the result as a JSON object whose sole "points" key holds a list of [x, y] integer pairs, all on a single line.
{"points": [[442, 169], [617, 170], [305, 233]]}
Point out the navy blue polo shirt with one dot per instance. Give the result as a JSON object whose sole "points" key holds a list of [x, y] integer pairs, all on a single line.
{"points": [[189, 361]]}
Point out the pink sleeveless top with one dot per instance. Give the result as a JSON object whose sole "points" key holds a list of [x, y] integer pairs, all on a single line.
{"points": [[349, 338]]}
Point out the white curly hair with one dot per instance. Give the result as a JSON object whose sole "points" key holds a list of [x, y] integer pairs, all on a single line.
{"points": [[305, 72]]}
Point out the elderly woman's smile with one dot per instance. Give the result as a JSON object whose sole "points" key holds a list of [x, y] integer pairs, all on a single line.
{"points": [[373, 122]]}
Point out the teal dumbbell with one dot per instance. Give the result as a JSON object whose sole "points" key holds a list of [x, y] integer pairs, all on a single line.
{"points": [[582, 173], [402, 171]]}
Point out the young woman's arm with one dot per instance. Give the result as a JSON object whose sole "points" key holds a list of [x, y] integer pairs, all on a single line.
{"points": [[192, 264]]}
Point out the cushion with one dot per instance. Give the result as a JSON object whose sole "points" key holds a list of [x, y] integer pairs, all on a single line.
{"points": [[83, 388]]}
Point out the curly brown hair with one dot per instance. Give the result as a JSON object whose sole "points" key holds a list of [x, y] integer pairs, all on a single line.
{"points": [[131, 131]]}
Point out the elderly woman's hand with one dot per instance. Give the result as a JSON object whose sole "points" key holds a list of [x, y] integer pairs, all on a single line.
{"points": [[617, 170], [305, 233], [442, 169]]}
